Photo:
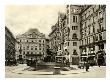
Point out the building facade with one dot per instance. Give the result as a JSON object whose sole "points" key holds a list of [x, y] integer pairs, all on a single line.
{"points": [[82, 32], [70, 28], [93, 33], [31, 46], [54, 38], [9, 47], [72, 43]]}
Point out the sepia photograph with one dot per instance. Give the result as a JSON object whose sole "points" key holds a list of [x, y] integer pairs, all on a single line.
{"points": [[55, 41]]}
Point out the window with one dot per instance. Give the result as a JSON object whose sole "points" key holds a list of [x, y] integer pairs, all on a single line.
{"points": [[100, 14], [27, 47], [74, 36], [101, 46], [43, 41], [27, 52], [31, 52], [93, 19], [84, 49], [100, 26], [35, 47], [85, 24], [85, 41], [74, 18], [89, 12], [100, 37], [68, 43], [89, 40], [93, 48], [20, 40], [74, 43], [89, 30], [23, 52], [39, 52], [96, 38], [74, 27], [39, 40], [31, 47], [93, 29], [85, 15], [40, 45], [82, 42], [23, 48], [39, 48]]}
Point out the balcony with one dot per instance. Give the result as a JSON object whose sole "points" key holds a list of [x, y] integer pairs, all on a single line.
{"points": [[83, 54]]}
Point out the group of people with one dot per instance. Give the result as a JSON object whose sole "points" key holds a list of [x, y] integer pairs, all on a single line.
{"points": [[67, 56]]}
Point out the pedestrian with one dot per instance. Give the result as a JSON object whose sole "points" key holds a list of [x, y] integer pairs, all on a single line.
{"points": [[87, 66], [67, 56]]}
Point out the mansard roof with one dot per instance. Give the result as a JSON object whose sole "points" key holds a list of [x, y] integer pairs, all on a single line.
{"points": [[32, 33]]}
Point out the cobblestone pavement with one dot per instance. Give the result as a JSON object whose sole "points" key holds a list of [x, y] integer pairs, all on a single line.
{"points": [[20, 72]]}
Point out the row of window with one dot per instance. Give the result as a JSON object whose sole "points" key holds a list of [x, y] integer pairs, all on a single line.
{"points": [[93, 48], [94, 38], [92, 20], [91, 11], [30, 40], [75, 19], [92, 30], [74, 43], [74, 27], [32, 52], [32, 48]]}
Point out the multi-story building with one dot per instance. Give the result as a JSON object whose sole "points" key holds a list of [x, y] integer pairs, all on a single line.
{"points": [[9, 47], [71, 33], [82, 32], [54, 39], [62, 32], [31, 45], [93, 33]]}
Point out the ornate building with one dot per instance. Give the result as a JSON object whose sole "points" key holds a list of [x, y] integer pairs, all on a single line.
{"points": [[72, 42], [31, 46], [54, 38], [9, 47], [93, 33], [82, 32]]}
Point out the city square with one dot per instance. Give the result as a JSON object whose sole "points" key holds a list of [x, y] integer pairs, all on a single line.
{"points": [[62, 41]]}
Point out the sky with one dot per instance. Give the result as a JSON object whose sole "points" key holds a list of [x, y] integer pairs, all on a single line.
{"points": [[20, 18]]}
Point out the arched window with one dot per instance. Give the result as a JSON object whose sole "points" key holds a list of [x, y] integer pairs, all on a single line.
{"points": [[74, 36], [100, 36], [35, 47], [31, 47]]}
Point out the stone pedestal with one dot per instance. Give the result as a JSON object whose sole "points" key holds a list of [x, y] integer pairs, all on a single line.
{"points": [[56, 71]]}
